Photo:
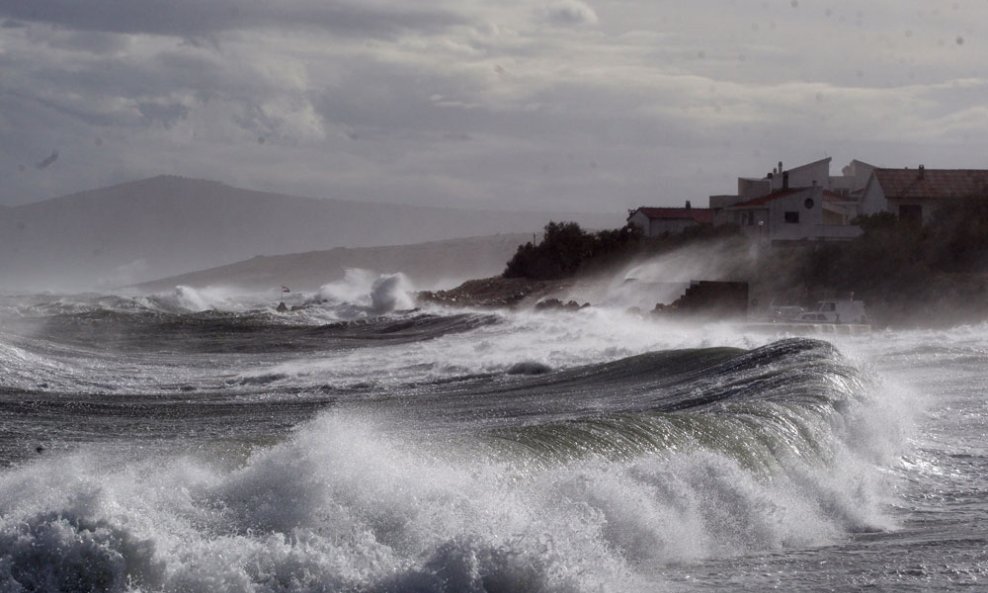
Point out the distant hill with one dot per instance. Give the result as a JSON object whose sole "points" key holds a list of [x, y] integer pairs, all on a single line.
{"points": [[428, 265], [167, 225]]}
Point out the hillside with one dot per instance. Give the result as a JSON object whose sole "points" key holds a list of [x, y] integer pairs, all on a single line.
{"points": [[428, 265], [165, 225]]}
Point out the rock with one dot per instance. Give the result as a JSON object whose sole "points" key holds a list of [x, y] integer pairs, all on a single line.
{"points": [[529, 367]]}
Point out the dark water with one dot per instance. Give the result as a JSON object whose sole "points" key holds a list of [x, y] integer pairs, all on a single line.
{"points": [[152, 446]]}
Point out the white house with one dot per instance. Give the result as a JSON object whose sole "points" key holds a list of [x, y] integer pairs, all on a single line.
{"points": [[655, 222], [798, 204], [793, 214], [915, 194]]}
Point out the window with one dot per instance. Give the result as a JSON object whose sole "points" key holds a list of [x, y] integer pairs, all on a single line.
{"points": [[792, 217], [911, 213]]}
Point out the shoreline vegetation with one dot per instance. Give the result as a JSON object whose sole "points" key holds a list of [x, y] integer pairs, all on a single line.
{"points": [[908, 275]]}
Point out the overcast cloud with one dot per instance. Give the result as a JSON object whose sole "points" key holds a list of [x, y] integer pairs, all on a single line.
{"points": [[588, 105]]}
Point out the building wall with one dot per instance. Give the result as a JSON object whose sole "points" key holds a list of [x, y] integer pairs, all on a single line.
{"points": [[753, 221], [658, 227], [928, 207], [873, 201], [677, 225], [641, 221], [723, 201], [855, 176], [806, 205], [805, 176], [831, 217], [805, 220], [751, 189]]}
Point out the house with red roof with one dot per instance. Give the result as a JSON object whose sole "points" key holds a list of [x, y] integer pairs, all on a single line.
{"points": [[794, 214], [804, 203], [915, 194], [655, 222]]}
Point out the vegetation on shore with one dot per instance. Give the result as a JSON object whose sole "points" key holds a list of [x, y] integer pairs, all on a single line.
{"points": [[497, 292], [566, 250], [906, 273]]}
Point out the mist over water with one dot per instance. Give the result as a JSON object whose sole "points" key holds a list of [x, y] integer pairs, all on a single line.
{"points": [[204, 440]]}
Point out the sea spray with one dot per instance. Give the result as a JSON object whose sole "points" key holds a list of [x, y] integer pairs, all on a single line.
{"points": [[357, 502], [362, 293], [398, 452], [435, 467]]}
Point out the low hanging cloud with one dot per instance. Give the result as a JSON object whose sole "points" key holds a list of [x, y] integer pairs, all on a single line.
{"points": [[570, 12], [195, 18]]}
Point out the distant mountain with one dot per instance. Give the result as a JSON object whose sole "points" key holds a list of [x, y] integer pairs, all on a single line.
{"points": [[428, 265], [168, 225]]}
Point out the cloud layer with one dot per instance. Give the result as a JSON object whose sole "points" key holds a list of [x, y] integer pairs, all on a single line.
{"points": [[589, 105]]}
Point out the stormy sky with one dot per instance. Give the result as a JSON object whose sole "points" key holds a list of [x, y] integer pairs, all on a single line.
{"points": [[590, 105]]}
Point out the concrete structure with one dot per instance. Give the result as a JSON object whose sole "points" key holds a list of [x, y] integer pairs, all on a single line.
{"points": [[915, 194], [798, 204], [709, 298], [655, 222]]}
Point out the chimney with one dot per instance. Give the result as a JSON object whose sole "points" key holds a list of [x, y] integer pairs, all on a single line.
{"points": [[780, 166], [922, 171], [785, 180], [688, 205]]}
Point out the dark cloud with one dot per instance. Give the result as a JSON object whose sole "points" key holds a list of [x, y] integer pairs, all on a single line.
{"points": [[194, 18], [570, 12], [47, 161], [528, 104]]}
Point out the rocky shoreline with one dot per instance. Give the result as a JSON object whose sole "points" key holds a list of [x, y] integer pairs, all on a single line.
{"points": [[498, 292]]}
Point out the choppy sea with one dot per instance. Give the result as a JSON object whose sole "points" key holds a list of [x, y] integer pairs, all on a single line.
{"points": [[203, 441]]}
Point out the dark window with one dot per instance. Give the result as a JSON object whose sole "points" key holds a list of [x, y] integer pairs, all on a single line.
{"points": [[792, 217], [911, 213]]}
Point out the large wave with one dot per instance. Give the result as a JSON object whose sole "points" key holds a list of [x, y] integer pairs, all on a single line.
{"points": [[587, 479]]}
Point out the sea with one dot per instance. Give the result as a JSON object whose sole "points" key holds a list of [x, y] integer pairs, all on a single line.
{"points": [[355, 441]]}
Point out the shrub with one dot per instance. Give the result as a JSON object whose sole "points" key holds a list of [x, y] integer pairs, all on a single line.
{"points": [[564, 248]]}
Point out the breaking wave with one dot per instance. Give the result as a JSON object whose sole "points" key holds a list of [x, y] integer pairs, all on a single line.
{"points": [[360, 294], [581, 479]]}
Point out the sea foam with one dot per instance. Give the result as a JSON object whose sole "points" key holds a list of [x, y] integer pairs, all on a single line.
{"points": [[346, 503]]}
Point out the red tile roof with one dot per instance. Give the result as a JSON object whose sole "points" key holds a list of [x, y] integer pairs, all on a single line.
{"points": [[756, 202], [768, 198], [700, 215], [935, 183]]}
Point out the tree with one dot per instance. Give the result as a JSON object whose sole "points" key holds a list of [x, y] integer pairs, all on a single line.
{"points": [[564, 248]]}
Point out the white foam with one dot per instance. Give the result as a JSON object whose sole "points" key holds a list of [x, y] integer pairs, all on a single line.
{"points": [[363, 293], [351, 502], [391, 292]]}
